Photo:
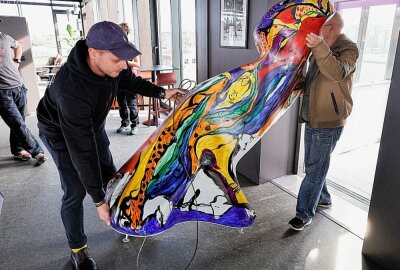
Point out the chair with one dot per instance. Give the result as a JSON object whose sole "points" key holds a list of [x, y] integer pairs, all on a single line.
{"points": [[146, 75], [185, 84], [155, 105], [166, 79]]}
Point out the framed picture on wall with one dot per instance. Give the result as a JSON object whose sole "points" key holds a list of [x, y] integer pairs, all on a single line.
{"points": [[234, 23]]}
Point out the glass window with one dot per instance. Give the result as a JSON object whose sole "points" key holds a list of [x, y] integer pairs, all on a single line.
{"points": [[43, 38], [165, 33], [188, 26], [351, 17], [68, 30], [377, 42], [121, 15], [96, 12], [8, 9], [128, 12], [353, 162], [126, 15]]}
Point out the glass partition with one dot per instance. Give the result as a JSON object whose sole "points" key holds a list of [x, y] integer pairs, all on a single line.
{"points": [[352, 17], [375, 26], [188, 27], [165, 32], [354, 160], [55, 31], [377, 42]]}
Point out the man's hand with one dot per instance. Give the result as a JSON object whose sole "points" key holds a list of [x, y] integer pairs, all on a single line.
{"points": [[313, 40], [104, 213], [171, 92]]}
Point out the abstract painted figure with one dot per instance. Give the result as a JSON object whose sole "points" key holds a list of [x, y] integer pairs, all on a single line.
{"points": [[186, 170]]}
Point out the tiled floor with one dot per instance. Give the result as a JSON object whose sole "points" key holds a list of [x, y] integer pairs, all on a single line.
{"points": [[32, 237]]}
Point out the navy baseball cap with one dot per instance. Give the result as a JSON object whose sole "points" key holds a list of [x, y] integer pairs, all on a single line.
{"points": [[111, 37]]}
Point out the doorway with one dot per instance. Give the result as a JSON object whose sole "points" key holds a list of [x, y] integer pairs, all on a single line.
{"points": [[176, 36], [375, 28]]}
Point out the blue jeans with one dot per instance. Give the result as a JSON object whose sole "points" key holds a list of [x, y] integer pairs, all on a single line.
{"points": [[12, 110], [319, 143], [74, 191]]}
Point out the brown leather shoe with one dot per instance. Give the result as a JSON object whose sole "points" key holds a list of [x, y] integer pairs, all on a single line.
{"points": [[83, 261]]}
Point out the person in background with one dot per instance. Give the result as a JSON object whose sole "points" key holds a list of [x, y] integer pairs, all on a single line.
{"points": [[326, 104], [13, 99], [71, 120], [127, 101]]}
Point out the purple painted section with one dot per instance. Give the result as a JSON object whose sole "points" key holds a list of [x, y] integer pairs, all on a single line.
{"points": [[234, 217]]}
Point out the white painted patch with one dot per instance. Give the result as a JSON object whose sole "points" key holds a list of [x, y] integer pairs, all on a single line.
{"points": [[159, 206], [211, 199], [119, 187]]}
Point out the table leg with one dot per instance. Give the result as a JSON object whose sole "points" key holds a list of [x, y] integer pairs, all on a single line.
{"points": [[154, 121]]}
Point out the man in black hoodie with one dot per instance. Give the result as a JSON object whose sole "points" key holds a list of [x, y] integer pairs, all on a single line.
{"points": [[72, 117]]}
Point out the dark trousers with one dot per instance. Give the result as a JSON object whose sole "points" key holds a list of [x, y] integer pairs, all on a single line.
{"points": [[128, 108], [74, 191], [12, 110]]}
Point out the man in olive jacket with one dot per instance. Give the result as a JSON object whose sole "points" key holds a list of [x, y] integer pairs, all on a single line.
{"points": [[72, 116], [326, 104]]}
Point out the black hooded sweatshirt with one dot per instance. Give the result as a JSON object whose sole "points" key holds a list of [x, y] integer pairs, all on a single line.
{"points": [[74, 110]]}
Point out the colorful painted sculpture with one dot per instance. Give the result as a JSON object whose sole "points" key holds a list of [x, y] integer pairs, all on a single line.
{"points": [[186, 170]]}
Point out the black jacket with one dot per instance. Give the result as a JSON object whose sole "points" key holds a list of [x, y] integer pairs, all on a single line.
{"points": [[74, 110]]}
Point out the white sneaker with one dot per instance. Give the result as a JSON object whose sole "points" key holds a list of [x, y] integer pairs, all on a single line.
{"points": [[122, 128], [40, 159], [134, 131]]}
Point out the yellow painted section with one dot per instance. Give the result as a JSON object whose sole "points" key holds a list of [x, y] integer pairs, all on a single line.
{"points": [[222, 145], [133, 187], [239, 90]]}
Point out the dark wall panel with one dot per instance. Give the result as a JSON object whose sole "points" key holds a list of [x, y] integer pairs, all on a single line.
{"points": [[224, 59], [273, 155], [382, 242]]}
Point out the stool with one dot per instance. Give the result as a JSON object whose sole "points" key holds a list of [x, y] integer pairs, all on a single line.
{"points": [[155, 106], [185, 84]]}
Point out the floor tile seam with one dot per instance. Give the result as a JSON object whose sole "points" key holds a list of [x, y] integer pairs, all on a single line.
{"points": [[321, 212]]}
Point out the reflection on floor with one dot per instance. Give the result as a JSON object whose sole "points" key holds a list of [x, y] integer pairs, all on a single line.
{"points": [[32, 237], [343, 212], [355, 169]]}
